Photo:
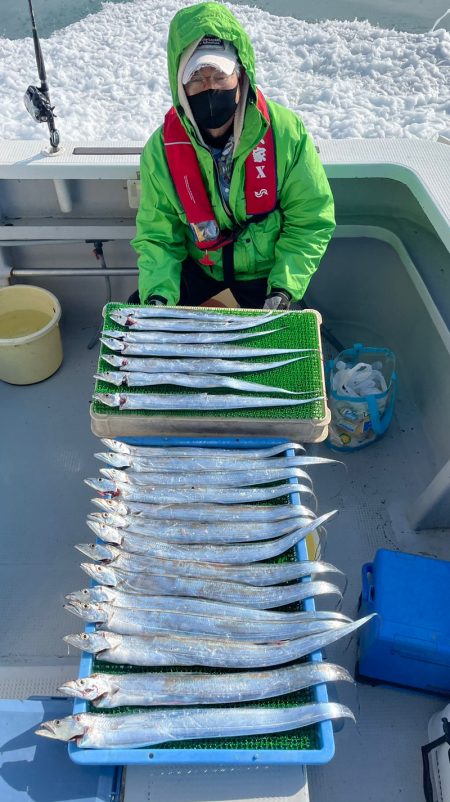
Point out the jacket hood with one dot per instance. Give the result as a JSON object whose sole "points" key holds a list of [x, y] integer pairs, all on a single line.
{"points": [[191, 24]]}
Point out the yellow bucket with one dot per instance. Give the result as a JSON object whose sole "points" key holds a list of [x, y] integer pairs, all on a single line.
{"points": [[30, 341]]}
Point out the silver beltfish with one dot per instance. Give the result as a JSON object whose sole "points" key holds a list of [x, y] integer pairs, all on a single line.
{"points": [[126, 572], [207, 552], [210, 351], [263, 598], [234, 513], [149, 365], [201, 451], [258, 574], [137, 543], [175, 688], [222, 478], [202, 608], [181, 495], [139, 621], [178, 532], [140, 317], [94, 730], [197, 381], [198, 464], [197, 401], [191, 338], [166, 650]]}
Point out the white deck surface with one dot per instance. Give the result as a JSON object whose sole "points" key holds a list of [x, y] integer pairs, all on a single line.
{"points": [[47, 450], [216, 784]]}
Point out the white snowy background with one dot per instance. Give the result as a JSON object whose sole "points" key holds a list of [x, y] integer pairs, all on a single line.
{"points": [[108, 75]]}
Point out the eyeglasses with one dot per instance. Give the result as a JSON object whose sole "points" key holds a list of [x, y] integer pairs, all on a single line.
{"points": [[218, 80]]}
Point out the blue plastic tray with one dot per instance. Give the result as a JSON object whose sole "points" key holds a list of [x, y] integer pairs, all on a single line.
{"points": [[229, 757]]}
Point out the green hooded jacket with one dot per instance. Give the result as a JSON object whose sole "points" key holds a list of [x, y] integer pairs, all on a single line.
{"points": [[287, 246]]}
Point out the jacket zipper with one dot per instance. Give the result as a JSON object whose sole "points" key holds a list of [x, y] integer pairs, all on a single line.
{"points": [[224, 203]]}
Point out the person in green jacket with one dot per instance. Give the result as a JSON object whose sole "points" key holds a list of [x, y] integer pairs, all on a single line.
{"points": [[268, 259]]}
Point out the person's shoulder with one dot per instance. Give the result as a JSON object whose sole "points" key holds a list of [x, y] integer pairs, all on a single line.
{"points": [[285, 120], [153, 159], [154, 145]]}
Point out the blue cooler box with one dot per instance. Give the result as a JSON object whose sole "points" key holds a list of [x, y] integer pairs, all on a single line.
{"points": [[408, 643]]}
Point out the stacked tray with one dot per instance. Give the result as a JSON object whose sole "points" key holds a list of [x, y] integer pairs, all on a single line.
{"points": [[306, 422]]}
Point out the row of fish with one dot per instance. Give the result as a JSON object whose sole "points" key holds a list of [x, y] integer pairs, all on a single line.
{"points": [[110, 606], [181, 583], [137, 730], [239, 553], [190, 350], [195, 401]]}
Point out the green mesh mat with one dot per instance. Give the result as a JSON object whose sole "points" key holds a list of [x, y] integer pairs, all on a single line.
{"points": [[298, 329]]}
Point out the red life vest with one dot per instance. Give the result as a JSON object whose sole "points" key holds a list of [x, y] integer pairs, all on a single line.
{"points": [[260, 179]]}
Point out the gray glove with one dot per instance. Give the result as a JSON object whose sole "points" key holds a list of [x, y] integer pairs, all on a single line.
{"points": [[278, 299], [156, 300]]}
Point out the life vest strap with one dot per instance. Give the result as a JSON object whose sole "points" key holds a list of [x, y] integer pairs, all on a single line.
{"points": [[260, 181]]}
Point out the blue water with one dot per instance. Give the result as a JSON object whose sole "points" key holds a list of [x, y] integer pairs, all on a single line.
{"points": [[415, 16], [50, 15]]}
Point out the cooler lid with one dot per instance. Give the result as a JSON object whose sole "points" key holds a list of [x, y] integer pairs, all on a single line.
{"points": [[412, 589]]}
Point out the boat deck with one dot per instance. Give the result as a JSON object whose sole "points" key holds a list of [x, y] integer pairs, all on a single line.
{"points": [[47, 451]]}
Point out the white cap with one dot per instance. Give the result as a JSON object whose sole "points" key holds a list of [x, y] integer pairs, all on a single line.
{"points": [[211, 52]]}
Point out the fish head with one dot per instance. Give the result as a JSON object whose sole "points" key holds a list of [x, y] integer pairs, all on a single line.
{"points": [[109, 519], [100, 573], [87, 610], [119, 317], [110, 399], [97, 551], [116, 445], [94, 642], [111, 377], [112, 344], [69, 728], [116, 460], [103, 486], [90, 688], [104, 532], [84, 595], [115, 360], [110, 505], [116, 334], [114, 475], [99, 593], [116, 377]]}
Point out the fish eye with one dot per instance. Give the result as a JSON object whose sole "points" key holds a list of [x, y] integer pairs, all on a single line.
{"points": [[84, 636], [85, 606], [85, 592], [57, 721], [82, 681]]}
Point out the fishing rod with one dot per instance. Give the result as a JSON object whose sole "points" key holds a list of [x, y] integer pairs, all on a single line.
{"points": [[37, 99]]}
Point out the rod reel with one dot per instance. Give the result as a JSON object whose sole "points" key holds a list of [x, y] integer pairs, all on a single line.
{"points": [[37, 98]]}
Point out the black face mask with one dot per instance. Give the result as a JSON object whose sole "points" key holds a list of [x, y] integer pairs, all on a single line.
{"points": [[213, 107]]}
